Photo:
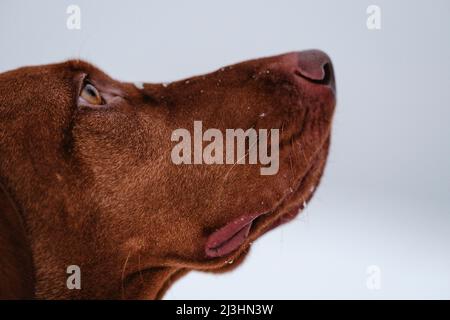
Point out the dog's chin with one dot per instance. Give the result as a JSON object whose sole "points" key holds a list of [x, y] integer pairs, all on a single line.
{"points": [[227, 246]]}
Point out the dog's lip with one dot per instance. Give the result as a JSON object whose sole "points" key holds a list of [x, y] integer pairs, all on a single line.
{"points": [[232, 235], [229, 237]]}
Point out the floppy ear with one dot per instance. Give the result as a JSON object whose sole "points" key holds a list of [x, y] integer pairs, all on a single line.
{"points": [[16, 267]]}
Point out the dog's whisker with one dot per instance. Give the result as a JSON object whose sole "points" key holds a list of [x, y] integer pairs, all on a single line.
{"points": [[123, 274], [243, 157], [140, 269], [291, 169], [303, 151], [294, 149]]}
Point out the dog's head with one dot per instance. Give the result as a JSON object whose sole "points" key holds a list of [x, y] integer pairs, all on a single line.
{"points": [[89, 162]]}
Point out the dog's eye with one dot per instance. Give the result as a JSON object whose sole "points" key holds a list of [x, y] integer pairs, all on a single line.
{"points": [[91, 95]]}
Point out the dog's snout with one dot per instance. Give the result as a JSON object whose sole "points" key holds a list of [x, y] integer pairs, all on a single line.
{"points": [[312, 65]]}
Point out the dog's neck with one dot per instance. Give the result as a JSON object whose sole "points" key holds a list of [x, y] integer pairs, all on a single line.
{"points": [[16, 266]]}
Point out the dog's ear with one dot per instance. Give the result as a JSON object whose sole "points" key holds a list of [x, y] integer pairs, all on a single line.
{"points": [[16, 267]]}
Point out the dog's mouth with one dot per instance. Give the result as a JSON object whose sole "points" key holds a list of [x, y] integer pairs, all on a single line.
{"points": [[228, 238], [232, 236]]}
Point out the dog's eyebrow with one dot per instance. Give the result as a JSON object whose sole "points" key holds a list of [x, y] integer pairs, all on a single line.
{"points": [[80, 65], [94, 74]]}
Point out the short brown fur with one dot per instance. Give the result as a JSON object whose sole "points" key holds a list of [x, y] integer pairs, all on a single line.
{"points": [[96, 187]]}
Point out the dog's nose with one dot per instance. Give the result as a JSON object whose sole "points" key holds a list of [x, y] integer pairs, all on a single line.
{"points": [[315, 65], [312, 65]]}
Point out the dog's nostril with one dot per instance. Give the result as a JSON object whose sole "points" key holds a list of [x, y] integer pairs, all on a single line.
{"points": [[315, 66], [328, 73]]}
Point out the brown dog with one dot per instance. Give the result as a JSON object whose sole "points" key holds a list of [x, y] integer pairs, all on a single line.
{"points": [[87, 179]]}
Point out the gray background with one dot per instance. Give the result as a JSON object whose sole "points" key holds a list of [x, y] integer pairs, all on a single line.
{"points": [[385, 196]]}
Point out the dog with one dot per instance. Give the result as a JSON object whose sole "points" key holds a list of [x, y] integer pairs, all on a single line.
{"points": [[87, 180]]}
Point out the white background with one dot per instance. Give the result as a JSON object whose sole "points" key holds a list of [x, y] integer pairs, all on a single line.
{"points": [[385, 195]]}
